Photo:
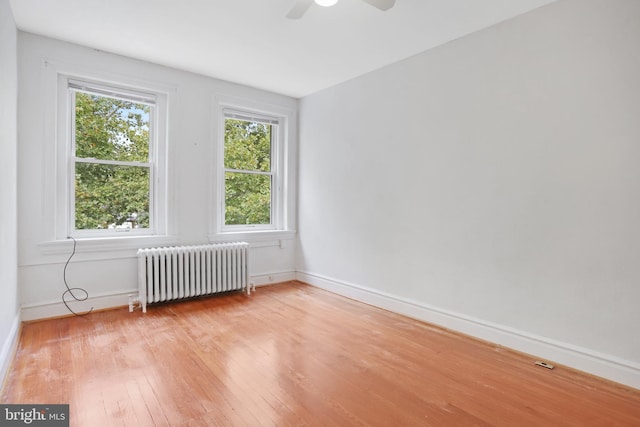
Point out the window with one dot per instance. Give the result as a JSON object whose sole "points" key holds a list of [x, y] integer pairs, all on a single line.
{"points": [[252, 178], [254, 198], [115, 165]]}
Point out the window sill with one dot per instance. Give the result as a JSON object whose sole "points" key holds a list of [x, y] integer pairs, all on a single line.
{"points": [[109, 248], [128, 244], [254, 238]]}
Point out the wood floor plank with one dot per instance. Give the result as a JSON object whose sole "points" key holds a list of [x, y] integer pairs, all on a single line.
{"points": [[294, 355]]}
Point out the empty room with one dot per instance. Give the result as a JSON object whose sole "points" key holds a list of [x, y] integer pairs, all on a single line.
{"points": [[320, 212]]}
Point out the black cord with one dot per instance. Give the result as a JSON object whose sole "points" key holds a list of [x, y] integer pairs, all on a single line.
{"points": [[70, 290]]}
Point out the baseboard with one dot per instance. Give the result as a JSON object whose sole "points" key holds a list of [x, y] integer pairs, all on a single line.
{"points": [[271, 278], [9, 348], [120, 298], [583, 359], [58, 309]]}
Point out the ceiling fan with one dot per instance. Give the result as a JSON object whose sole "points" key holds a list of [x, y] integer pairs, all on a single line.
{"points": [[301, 6]]}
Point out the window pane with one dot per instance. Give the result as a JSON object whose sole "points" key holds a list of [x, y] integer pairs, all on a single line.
{"points": [[109, 196], [247, 198], [247, 145], [111, 129]]}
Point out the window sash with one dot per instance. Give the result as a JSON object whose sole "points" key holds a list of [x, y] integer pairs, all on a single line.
{"points": [[271, 173], [75, 86], [110, 162], [142, 207], [275, 210], [253, 225]]}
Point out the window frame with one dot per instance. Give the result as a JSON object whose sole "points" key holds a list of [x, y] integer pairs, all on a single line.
{"points": [[274, 173], [283, 160], [66, 159]]}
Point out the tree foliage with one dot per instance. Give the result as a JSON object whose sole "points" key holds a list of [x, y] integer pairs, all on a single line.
{"points": [[247, 152], [108, 195]]}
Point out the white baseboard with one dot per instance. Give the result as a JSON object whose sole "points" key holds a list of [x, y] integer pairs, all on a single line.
{"points": [[583, 359], [271, 278], [9, 348], [57, 308], [121, 298]]}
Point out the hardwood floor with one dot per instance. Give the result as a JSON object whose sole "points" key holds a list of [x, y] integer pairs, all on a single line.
{"points": [[294, 355]]}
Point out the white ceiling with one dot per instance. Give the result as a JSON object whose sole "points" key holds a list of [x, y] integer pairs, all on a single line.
{"points": [[252, 43]]}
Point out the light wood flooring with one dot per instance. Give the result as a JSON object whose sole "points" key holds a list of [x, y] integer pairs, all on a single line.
{"points": [[294, 355]]}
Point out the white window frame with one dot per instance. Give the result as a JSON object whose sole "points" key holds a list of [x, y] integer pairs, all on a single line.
{"points": [[274, 173], [68, 85], [282, 161]]}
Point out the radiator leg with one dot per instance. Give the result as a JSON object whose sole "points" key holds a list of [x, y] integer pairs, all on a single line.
{"points": [[133, 300], [251, 286]]}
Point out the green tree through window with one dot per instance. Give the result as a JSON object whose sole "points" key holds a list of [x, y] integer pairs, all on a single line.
{"points": [[112, 166], [248, 172]]}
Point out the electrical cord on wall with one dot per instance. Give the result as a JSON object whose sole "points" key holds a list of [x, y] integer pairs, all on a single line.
{"points": [[70, 290]]}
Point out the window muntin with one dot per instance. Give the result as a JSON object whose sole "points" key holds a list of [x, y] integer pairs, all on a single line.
{"points": [[250, 171], [111, 161]]}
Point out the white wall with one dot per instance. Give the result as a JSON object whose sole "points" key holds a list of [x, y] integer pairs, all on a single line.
{"points": [[491, 185], [9, 314], [109, 274]]}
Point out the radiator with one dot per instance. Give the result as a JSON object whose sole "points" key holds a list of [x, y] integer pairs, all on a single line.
{"points": [[173, 273]]}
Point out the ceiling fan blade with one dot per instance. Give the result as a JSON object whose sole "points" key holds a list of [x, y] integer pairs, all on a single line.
{"points": [[381, 4], [299, 9]]}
